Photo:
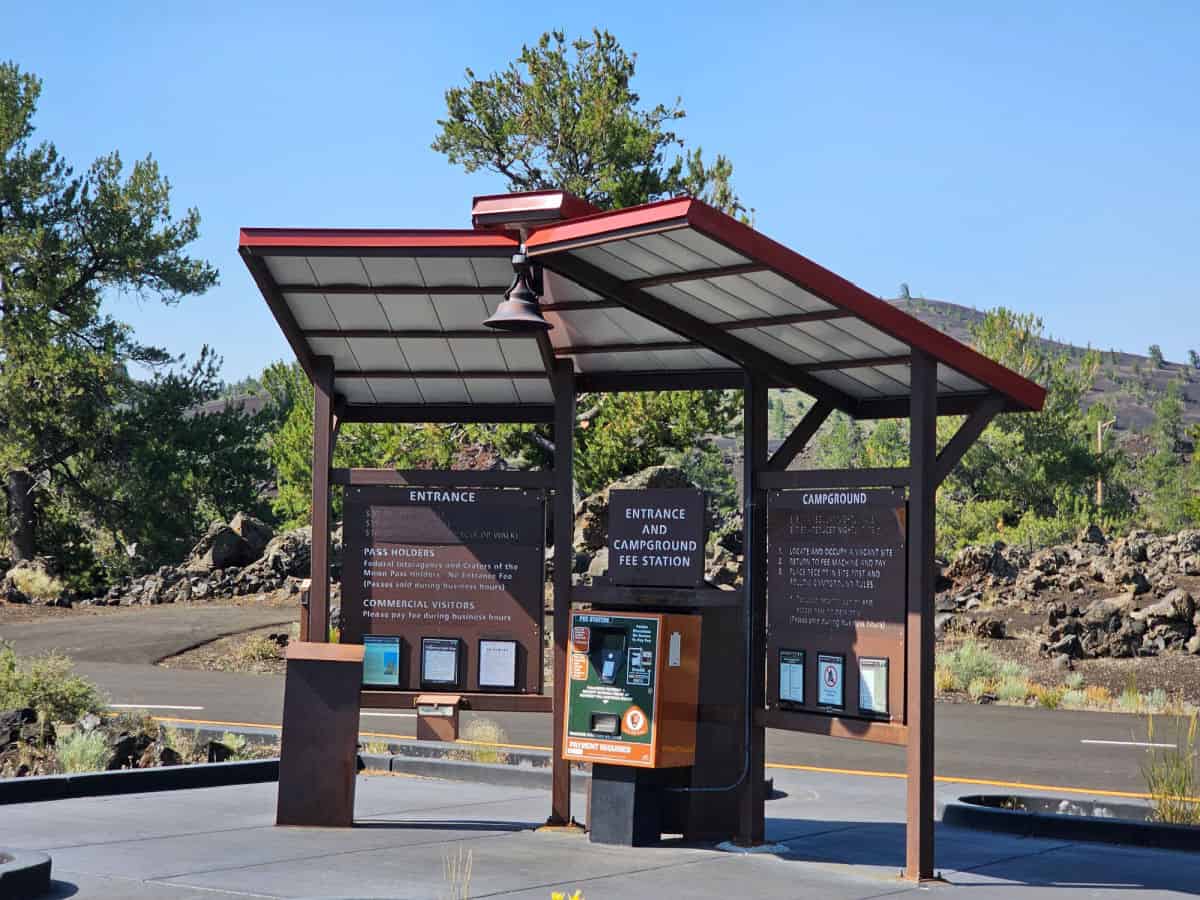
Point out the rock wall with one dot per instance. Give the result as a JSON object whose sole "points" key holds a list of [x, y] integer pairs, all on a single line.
{"points": [[1134, 596]]}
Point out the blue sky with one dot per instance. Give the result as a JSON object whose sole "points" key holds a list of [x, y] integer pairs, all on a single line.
{"points": [[1041, 156]]}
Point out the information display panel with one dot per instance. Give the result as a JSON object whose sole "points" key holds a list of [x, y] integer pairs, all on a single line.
{"points": [[448, 564], [498, 664], [836, 590], [439, 662], [381, 661], [791, 677]]}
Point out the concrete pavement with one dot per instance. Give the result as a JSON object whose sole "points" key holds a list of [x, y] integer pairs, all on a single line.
{"points": [[842, 837]]}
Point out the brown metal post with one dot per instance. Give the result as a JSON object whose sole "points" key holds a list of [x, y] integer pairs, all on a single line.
{"points": [[564, 537], [318, 601], [919, 636], [752, 793]]}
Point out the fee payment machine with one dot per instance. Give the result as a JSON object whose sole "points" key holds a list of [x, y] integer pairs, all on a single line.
{"points": [[633, 689]]}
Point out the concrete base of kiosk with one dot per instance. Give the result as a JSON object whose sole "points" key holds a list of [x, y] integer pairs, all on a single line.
{"points": [[319, 743], [634, 807]]}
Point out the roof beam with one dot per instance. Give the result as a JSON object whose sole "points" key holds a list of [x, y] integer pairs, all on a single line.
{"points": [[583, 349], [865, 362], [524, 478], [799, 438], [450, 412], [571, 305], [415, 333], [746, 355], [694, 380], [696, 275], [820, 315], [394, 374], [968, 433], [826, 478], [393, 289], [951, 405]]}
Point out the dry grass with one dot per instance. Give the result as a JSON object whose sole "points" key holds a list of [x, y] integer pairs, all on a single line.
{"points": [[486, 735], [1171, 777], [456, 868], [257, 651], [36, 583]]}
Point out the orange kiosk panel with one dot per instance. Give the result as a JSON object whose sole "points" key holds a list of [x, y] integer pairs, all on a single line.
{"points": [[633, 689]]}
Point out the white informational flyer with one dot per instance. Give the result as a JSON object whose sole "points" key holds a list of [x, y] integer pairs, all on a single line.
{"points": [[830, 680], [439, 661], [497, 664], [873, 685], [791, 676]]}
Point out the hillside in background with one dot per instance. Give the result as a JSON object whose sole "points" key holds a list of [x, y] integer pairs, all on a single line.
{"points": [[1128, 382]]}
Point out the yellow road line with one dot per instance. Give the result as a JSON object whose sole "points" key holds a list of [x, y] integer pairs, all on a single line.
{"points": [[825, 770]]}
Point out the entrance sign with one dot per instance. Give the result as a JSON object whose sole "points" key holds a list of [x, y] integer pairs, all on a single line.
{"points": [[656, 537], [831, 680], [497, 664], [381, 661], [836, 570], [448, 573], [791, 676]]}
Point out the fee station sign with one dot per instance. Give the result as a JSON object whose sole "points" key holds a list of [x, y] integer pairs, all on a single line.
{"points": [[656, 537], [445, 586]]}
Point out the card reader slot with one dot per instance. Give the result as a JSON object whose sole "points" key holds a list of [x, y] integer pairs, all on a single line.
{"points": [[607, 724]]}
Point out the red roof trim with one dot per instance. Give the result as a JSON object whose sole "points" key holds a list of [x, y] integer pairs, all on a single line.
{"points": [[606, 222], [809, 275], [374, 238]]}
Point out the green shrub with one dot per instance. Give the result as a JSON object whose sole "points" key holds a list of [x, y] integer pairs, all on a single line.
{"points": [[1012, 689], [1155, 701], [83, 751], [980, 686], [1075, 681], [237, 744], [1074, 699], [1010, 668], [47, 684], [968, 662]]}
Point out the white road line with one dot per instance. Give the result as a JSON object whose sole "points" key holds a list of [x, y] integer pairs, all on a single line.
{"points": [[1126, 743], [390, 715], [149, 706]]}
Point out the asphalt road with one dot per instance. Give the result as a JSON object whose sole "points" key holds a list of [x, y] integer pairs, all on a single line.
{"points": [[993, 743], [139, 635]]}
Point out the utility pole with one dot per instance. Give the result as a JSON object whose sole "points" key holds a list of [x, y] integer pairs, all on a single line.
{"points": [[1101, 427]]}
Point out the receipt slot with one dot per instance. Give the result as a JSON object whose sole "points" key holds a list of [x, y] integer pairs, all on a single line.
{"points": [[632, 689]]}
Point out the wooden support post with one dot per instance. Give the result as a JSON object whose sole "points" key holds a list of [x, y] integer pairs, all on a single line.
{"points": [[919, 636], [318, 600], [752, 792], [564, 537]]}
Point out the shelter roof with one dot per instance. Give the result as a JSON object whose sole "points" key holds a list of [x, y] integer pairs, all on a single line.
{"points": [[670, 294]]}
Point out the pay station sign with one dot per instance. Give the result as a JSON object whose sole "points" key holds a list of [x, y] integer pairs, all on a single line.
{"points": [[656, 537]]}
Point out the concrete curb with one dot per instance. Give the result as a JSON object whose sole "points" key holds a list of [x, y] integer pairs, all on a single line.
{"points": [[137, 781], [518, 776], [24, 874], [968, 814]]}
